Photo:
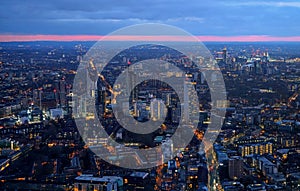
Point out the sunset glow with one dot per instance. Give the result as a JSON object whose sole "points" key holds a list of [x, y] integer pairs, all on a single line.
{"points": [[253, 38]]}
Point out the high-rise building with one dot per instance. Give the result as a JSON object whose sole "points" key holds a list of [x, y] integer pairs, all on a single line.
{"points": [[62, 92], [166, 98], [167, 150], [235, 167], [131, 84], [225, 57], [175, 113], [157, 109], [101, 99], [186, 111]]}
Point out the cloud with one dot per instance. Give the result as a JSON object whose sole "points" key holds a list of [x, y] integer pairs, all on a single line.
{"points": [[266, 3], [100, 17], [188, 19], [88, 20], [133, 20]]}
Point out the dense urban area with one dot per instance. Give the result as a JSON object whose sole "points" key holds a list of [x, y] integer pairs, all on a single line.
{"points": [[41, 147]]}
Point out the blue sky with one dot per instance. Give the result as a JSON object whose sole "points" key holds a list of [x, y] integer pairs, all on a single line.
{"points": [[199, 17]]}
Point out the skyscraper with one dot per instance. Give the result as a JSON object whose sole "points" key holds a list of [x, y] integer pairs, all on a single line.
{"points": [[225, 55], [158, 109], [235, 167], [186, 102], [101, 100], [62, 92], [131, 81]]}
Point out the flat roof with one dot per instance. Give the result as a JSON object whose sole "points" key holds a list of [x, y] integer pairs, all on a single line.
{"points": [[139, 174], [91, 178]]}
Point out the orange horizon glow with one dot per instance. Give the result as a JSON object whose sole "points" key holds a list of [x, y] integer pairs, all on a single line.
{"points": [[251, 38]]}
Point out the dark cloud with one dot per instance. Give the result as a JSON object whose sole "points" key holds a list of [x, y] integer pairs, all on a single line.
{"points": [[199, 17]]}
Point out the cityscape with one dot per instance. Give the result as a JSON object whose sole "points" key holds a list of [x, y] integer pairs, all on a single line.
{"points": [[150, 95], [42, 147]]}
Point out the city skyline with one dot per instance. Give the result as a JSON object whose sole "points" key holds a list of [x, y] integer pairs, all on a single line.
{"points": [[42, 118]]}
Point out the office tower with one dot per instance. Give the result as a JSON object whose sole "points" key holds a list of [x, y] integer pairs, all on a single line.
{"points": [[176, 113], [37, 97], [167, 150], [131, 84], [62, 92], [166, 96], [235, 167], [225, 55], [186, 102], [101, 99], [157, 109]]}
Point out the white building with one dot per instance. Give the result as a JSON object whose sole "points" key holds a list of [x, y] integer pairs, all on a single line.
{"points": [[157, 109]]}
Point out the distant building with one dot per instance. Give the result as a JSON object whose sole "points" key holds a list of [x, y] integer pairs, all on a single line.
{"points": [[131, 78], [136, 180], [91, 183], [140, 111], [259, 149], [266, 166], [222, 156], [224, 51], [101, 100], [30, 131], [232, 186], [256, 187], [62, 92], [36, 115], [56, 113], [175, 114], [172, 165], [277, 179], [167, 150], [157, 109]]}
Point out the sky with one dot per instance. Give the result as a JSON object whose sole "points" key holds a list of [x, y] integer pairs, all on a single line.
{"points": [[227, 19]]}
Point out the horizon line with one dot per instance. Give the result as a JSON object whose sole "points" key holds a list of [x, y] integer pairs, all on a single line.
{"points": [[70, 38]]}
